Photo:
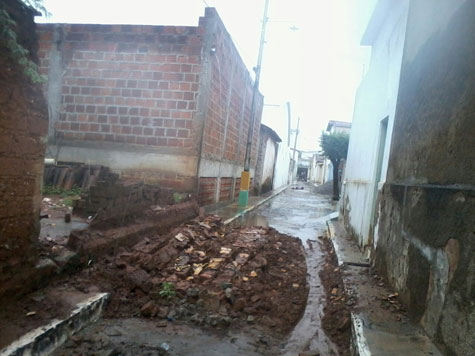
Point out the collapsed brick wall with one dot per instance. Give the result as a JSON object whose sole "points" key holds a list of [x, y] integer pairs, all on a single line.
{"points": [[23, 126], [112, 200]]}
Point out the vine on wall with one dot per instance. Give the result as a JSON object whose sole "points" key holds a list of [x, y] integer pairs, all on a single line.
{"points": [[9, 39]]}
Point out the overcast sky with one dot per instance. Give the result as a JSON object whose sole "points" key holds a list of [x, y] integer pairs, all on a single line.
{"points": [[317, 67]]}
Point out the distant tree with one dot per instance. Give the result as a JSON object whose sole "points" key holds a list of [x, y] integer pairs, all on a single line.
{"points": [[335, 147]]}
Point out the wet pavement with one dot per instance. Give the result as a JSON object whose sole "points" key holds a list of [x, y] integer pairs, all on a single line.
{"points": [[303, 214]]}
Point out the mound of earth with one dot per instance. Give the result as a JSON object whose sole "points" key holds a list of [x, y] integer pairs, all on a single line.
{"points": [[206, 273]]}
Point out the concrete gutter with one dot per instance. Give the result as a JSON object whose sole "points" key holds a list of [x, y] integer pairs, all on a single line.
{"points": [[256, 205], [45, 339]]}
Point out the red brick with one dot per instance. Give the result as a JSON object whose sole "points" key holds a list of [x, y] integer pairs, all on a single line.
{"points": [[159, 132], [137, 130], [171, 132]]}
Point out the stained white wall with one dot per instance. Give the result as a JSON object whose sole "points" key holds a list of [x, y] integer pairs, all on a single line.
{"points": [[269, 160], [375, 100], [276, 118]]}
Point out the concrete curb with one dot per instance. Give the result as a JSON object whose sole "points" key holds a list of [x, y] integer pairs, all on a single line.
{"points": [[252, 207], [45, 339], [359, 345], [376, 336]]}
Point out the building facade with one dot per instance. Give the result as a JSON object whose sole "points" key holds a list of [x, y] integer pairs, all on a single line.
{"points": [[373, 118], [266, 160], [161, 104], [421, 229]]}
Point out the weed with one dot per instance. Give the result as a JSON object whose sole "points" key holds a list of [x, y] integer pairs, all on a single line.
{"points": [[68, 195], [168, 290], [177, 197]]}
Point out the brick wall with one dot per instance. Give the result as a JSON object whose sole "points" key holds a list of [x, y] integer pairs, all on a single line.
{"points": [[225, 189], [207, 190], [23, 125], [150, 102], [229, 106], [124, 83], [228, 114], [237, 185]]}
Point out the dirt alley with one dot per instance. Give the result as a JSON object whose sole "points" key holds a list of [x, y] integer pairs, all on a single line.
{"points": [[209, 289]]}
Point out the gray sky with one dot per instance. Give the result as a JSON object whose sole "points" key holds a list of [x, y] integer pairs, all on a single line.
{"points": [[317, 67]]}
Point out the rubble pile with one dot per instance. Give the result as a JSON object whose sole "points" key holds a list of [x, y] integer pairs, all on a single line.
{"points": [[208, 273]]}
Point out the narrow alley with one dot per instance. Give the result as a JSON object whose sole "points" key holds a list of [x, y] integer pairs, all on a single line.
{"points": [[296, 212], [237, 178], [302, 213]]}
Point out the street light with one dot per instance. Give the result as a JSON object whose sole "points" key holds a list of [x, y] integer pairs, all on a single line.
{"points": [[245, 175]]}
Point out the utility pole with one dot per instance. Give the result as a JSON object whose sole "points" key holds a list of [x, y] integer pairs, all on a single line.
{"points": [[295, 145], [289, 120], [245, 175]]}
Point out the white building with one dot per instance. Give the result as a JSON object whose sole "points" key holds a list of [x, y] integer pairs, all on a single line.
{"points": [[276, 118], [373, 118]]}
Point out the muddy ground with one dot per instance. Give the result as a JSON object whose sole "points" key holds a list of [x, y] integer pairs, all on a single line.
{"points": [[208, 273], [202, 273], [336, 319]]}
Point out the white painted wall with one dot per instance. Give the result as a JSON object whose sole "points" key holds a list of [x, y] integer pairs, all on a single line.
{"points": [[276, 118], [269, 160], [375, 100]]}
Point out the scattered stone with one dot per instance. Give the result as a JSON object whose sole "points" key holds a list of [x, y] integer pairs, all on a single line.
{"points": [[344, 324], [263, 340], [162, 312], [250, 319], [171, 315], [162, 323], [192, 292], [164, 346], [148, 309], [255, 298]]}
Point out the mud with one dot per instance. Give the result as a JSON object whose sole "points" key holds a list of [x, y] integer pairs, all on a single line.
{"points": [[37, 309], [336, 319], [138, 336], [218, 275]]}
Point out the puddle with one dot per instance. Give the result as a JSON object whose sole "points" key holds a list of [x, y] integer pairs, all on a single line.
{"points": [[302, 214], [57, 228]]}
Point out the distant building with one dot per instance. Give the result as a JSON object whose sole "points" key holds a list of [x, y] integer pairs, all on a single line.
{"points": [[339, 127], [276, 119], [266, 160]]}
